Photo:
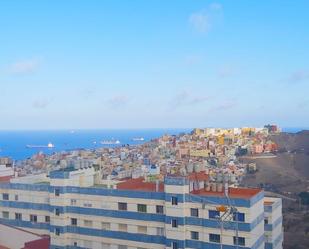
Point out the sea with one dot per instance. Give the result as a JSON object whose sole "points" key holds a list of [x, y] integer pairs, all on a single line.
{"points": [[14, 143]]}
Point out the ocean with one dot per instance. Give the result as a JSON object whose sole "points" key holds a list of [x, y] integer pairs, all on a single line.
{"points": [[13, 143]]}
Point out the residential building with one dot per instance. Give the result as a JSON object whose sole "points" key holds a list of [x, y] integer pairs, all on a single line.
{"points": [[77, 213]]}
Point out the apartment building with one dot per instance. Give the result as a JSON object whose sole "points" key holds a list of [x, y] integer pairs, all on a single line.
{"points": [[273, 223], [76, 212]]}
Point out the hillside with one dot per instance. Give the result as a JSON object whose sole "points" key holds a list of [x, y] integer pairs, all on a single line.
{"points": [[287, 175]]}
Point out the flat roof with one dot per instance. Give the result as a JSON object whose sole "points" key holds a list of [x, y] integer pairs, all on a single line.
{"points": [[140, 184], [5, 178], [246, 193], [268, 203]]}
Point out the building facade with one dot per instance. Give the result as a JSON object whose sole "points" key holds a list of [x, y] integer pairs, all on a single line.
{"points": [[273, 223], [78, 213]]}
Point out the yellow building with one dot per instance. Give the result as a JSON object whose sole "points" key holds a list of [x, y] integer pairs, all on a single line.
{"points": [[199, 153]]}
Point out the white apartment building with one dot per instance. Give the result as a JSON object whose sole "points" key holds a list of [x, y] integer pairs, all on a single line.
{"points": [[76, 212]]}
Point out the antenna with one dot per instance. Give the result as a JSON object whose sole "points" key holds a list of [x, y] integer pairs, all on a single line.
{"points": [[229, 212]]}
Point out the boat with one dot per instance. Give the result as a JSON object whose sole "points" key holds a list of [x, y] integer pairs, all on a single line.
{"points": [[49, 145], [138, 139], [110, 142]]}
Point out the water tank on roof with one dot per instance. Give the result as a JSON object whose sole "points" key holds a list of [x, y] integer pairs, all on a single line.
{"points": [[197, 168], [219, 187], [189, 167], [226, 177], [219, 177], [232, 178], [207, 186], [183, 171], [213, 187]]}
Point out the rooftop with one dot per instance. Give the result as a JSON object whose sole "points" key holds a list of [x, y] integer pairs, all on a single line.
{"points": [[140, 184], [5, 179], [246, 193], [26, 239], [268, 203]]}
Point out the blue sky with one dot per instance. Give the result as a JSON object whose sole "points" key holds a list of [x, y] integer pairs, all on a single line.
{"points": [[149, 64]]}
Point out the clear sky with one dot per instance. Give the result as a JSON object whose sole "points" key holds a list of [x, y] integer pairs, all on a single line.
{"points": [[150, 64]]}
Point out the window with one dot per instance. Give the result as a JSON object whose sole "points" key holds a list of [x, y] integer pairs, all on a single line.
{"points": [[73, 202], [5, 197], [174, 200], [5, 214], [214, 238], [33, 218], [57, 192], [142, 208], [122, 247], [73, 221], [213, 214], [87, 204], [57, 231], [16, 197], [105, 246], [194, 235], [239, 241], [266, 221], [75, 243], [47, 219], [174, 223], [159, 209], [239, 217], [106, 226], [194, 212], [57, 211], [122, 206], [160, 231], [174, 245], [123, 227], [18, 216], [88, 223], [142, 229]]}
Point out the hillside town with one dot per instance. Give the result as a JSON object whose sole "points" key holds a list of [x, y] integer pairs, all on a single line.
{"points": [[214, 151], [128, 197]]}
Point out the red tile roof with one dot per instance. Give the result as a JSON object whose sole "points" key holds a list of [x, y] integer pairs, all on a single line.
{"points": [[246, 193], [5, 178], [140, 184]]}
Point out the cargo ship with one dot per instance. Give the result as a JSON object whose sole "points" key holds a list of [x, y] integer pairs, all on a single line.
{"points": [[110, 142], [49, 145], [138, 139]]}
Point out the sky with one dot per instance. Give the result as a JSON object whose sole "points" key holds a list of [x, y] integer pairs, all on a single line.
{"points": [[153, 64]]}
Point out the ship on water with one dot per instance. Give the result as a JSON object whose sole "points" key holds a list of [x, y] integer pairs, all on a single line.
{"points": [[110, 142], [138, 139], [49, 145]]}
